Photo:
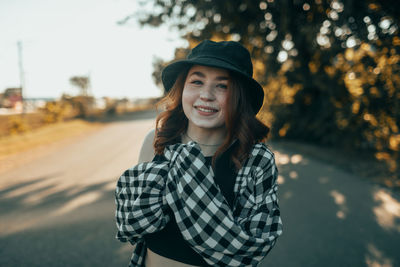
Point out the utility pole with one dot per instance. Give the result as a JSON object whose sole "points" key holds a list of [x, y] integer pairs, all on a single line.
{"points": [[21, 75], [89, 89]]}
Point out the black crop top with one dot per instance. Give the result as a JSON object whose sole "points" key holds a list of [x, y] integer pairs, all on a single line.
{"points": [[169, 242]]}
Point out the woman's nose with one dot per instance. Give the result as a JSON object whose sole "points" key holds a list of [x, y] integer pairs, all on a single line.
{"points": [[207, 93]]}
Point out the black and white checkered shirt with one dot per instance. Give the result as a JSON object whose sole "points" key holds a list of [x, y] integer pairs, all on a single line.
{"points": [[223, 236]]}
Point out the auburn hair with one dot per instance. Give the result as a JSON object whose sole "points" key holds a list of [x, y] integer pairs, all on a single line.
{"points": [[240, 120]]}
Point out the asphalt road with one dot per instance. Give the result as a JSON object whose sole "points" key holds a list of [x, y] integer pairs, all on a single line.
{"points": [[58, 210]]}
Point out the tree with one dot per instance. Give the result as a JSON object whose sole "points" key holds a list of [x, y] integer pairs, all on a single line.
{"points": [[82, 82], [330, 68]]}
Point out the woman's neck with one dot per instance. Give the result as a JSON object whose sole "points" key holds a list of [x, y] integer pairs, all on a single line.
{"points": [[208, 139]]}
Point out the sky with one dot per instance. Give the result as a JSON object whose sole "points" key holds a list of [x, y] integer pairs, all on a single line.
{"points": [[66, 38]]}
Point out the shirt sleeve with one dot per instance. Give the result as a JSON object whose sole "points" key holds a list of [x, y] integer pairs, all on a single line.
{"points": [[141, 206], [140, 200], [257, 210]]}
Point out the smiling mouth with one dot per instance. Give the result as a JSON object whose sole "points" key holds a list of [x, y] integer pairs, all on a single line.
{"points": [[206, 109]]}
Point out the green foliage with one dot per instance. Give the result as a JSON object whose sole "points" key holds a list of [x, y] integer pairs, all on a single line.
{"points": [[55, 111], [81, 106], [17, 124], [330, 68], [159, 64]]}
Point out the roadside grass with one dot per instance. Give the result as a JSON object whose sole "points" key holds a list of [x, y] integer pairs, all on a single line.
{"points": [[11, 124], [44, 135], [20, 133]]}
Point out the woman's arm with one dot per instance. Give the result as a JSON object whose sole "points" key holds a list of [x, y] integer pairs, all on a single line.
{"points": [[147, 151]]}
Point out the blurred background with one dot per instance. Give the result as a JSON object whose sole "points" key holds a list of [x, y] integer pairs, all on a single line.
{"points": [[79, 81], [330, 69]]}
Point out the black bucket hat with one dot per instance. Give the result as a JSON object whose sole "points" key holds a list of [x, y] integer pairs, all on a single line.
{"points": [[228, 55]]}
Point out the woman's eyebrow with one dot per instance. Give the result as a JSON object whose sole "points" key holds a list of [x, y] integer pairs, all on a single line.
{"points": [[200, 74], [222, 78]]}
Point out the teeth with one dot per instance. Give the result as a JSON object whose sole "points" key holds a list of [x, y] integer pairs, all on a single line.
{"points": [[206, 109]]}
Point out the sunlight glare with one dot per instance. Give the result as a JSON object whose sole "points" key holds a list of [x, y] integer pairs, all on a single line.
{"points": [[26, 190], [375, 258], [294, 175], [109, 186], [282, 56], [338, 197], [281, 179], [39, 196], [282, 159], [78, 202], [340, 200], [387, 212], [295, 159]]}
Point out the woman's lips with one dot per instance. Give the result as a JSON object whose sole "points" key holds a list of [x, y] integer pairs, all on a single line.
{"points": [[203, 110]]}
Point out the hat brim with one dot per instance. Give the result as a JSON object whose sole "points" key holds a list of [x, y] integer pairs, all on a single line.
{"points": [[170, 74]]}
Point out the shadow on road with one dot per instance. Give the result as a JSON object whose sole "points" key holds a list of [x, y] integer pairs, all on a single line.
{"points": [[71, 227], [332, 218]]}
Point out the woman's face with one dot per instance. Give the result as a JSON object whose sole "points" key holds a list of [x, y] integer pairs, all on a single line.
{"points": [[204, 97]]}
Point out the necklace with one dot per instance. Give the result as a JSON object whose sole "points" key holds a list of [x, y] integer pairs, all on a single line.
{"points": [[200, 143]]}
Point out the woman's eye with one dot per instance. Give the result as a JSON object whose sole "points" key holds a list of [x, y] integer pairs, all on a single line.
{"points": [[223, 86], [197, 82]]}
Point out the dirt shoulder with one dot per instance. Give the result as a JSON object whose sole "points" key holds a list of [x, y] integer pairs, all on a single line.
{"points": [[22, 148]]}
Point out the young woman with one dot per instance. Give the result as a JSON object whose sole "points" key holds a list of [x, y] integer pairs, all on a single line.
{"points": [[204, 191]]}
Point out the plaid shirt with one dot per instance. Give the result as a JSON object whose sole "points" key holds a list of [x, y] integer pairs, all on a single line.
{"points": [[223, 236]]}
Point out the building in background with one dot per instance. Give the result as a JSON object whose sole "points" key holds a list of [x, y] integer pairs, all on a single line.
{"points": [[11, 99]]}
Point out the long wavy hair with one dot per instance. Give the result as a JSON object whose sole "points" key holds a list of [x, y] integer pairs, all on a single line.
{"points": [[240, 120]]}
